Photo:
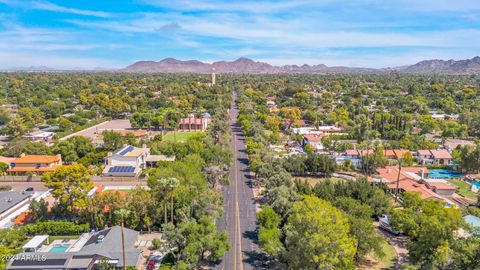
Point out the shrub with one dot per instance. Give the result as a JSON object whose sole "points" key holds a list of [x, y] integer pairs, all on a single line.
{"points": [[56, 228], [5, 188], [156, 244]]}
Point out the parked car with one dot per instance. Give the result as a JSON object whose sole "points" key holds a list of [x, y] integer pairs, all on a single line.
{"points": [[385, 224]]}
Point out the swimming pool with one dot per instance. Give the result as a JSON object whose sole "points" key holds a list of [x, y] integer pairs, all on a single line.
{"points": [[441, 173], [59, 248], [476, 184]]}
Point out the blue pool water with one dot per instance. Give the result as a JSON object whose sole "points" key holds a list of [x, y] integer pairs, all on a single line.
{"points": [[476, 184], [62, 248], [441, 173]]}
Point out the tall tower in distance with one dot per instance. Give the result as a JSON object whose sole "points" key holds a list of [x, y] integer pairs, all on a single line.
{"points": [[213, 77]]}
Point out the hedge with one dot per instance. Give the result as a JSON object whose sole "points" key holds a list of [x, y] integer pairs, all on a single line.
{"points": [[56, 228]]}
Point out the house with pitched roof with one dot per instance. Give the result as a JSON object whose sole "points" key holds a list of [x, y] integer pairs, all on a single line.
{"points": [[415, 179], [36, 164], [441, 156], [314, 141], [192, 123], [87, 252]]}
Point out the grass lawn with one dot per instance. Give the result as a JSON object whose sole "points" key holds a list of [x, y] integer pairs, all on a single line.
{"points": [[463, 188], [387, 262], [181, 135]]}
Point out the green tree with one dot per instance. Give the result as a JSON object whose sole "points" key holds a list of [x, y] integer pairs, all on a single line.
{"points": [[112, 140], [269, 233], [70, 186], [196, 241], [3, 168], [317, 237], [16, 126]]}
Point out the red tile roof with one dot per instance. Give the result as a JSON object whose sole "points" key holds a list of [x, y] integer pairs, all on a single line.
{"points": [[413, 186], [37, 159], [351, 152], [312, 138], [441, 186], [442, 153], [400, 152], [390, 173], [34, 169], [424, 152]]}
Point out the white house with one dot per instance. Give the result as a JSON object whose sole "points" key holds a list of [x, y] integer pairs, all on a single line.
{"points": [[314, 141], [127, 161], [440, 156]]}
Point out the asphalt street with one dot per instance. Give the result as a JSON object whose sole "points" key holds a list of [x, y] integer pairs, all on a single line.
{"points": [[239, 217]]}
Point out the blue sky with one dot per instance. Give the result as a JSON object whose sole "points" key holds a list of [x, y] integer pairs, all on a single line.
{"points": [[115, 33]]}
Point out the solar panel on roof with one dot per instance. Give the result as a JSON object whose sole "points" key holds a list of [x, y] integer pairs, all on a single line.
{"points": [[122, 169], [126, 150]]}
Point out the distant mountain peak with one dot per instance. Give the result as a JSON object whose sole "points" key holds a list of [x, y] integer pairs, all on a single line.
{"points": [[467, 66], [240, 65]]}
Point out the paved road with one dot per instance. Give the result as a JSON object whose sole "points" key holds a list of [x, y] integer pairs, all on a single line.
{"points": [[93, 131], [239, 216]]}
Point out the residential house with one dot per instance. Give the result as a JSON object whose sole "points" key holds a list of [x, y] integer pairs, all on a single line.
{"points": [[10, 203], [314, 141], [329, 129], [36, 164], [390, 154], [45, 137], [441, 187], [395, 153], [191, 123], [424, 157], [7, 160], [127, 161], [441, 156], [86, 252], [405, 181], [354, 156], [452, 144], [152, 160]]}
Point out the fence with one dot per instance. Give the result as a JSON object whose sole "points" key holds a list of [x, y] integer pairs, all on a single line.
{"points": [[36, 178]]}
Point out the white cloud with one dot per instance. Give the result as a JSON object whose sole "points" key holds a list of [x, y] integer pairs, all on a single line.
{"points": [[233, 6], [56, 8]]}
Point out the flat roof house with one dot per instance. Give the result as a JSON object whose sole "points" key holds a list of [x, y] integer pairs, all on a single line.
{"points": [[127, 161], [36, 164], [45, 137], [85, 253]]}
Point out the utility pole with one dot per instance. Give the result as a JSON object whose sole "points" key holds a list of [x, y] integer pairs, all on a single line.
{"points": [[123, 213]]}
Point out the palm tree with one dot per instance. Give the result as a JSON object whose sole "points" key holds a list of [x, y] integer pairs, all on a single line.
{"points": [[123, 213], [172, 184], [400, 163], [163, 186]]}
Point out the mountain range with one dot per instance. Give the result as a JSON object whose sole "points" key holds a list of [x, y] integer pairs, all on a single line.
{"points": [[245, 65]]}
